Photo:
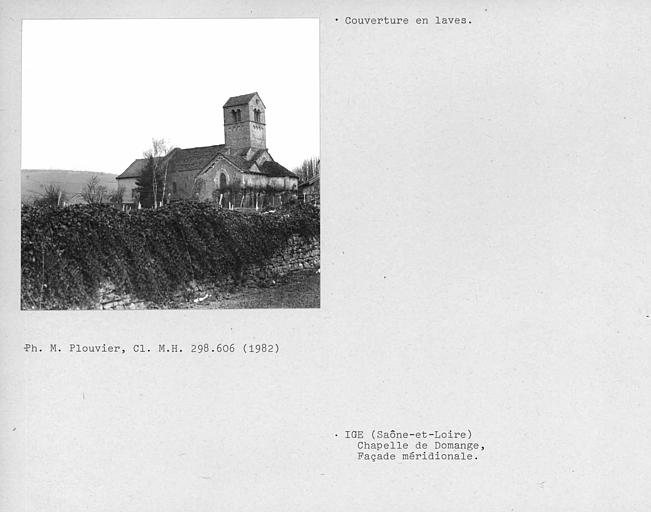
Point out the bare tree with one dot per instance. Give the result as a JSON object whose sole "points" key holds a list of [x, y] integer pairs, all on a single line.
{"points": [[310, 168], [54, 195], [117, 196], [93, 192], [157, 154]]}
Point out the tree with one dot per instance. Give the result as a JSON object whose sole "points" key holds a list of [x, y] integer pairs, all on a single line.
{"points": [[93, 192], [144, 184], [54, 195], [117, 196], [310, 168], [152, 183]]}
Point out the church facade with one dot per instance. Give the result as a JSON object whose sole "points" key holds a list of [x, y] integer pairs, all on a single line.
{"points": [[239, 173]]}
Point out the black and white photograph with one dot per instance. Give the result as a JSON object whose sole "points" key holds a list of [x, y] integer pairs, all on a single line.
{"points": [[456, 319], [170, 164]]}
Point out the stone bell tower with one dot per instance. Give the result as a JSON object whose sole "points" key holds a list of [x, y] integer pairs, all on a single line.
{"points": [[244, 122]]}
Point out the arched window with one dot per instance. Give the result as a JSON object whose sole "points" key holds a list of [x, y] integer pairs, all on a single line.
{"points": [[174, 187], [223, 182], [236, 115]]}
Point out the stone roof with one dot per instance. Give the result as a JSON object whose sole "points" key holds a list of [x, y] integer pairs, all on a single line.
{"points": [[193, 159], [135, 169], [257, 154], [239, 162], [276, 170], [196, 159], [240, 100], [268, 168], [180, 160], [311, 181]]}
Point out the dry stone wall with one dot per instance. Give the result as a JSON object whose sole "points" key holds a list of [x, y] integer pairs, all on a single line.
{"points": [[299, 254]]}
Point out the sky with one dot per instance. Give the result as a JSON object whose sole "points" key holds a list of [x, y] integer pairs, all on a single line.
{"points": [[95, 92]]}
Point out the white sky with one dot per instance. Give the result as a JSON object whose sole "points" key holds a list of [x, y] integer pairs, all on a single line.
{"points": [[95, 92]]}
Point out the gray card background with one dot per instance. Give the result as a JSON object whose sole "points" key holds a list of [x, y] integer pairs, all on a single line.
{"points": [[486, 210]]}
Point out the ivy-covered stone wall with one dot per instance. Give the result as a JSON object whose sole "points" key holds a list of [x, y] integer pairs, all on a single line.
{"points": [[78, 257], [300, 254]]}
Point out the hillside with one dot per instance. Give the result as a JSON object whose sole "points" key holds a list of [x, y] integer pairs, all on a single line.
{"points": [[34, 181]]}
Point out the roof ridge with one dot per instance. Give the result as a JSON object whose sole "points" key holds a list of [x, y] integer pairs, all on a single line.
{"points": [[240, 99], [202, 147]]}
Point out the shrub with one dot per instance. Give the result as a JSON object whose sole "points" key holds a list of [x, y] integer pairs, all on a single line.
{"points": [[67, 253], [54, 195]]}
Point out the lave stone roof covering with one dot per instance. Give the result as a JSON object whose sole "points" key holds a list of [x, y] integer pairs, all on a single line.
{"points": [[135, 169], [240, 100], [193, 159], [274, 169]]}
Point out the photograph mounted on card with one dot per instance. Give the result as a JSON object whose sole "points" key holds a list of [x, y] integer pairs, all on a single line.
{"points": [[170, 164]]}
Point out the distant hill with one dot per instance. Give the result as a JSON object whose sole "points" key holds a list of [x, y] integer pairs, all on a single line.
{"points": [[34, 181]]}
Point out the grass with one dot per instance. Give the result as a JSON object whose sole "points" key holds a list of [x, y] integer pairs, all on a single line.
{"points": [[296, 290]]}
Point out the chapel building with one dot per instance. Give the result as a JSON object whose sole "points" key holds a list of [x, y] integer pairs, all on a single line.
{"points": [[239, 173]]}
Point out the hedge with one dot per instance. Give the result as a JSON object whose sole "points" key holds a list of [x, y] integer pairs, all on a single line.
{"points": [[67, 253]]}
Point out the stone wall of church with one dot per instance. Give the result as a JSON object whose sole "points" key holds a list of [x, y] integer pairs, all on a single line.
{"points": [[212, 179], [211, 183], [180, 185], [184, 185], [129, 185], [184, 182]]}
